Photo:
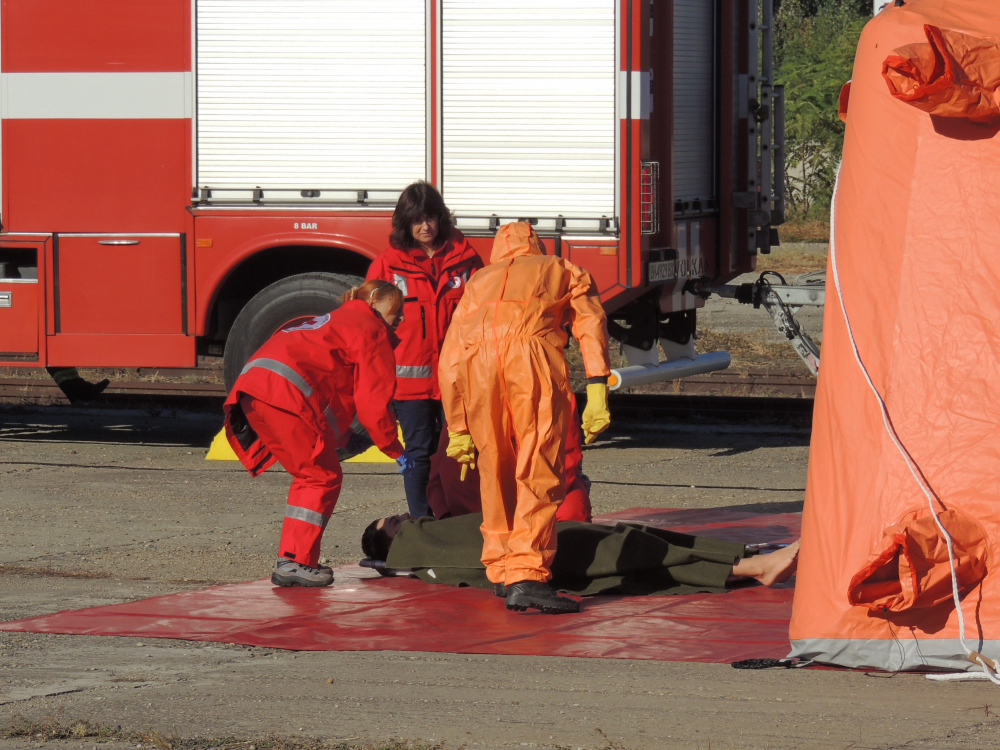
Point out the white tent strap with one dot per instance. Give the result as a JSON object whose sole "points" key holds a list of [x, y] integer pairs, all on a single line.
{"points": [[990, 672]]}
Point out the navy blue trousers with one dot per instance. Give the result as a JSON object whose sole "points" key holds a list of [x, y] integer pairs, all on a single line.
{"points": [[422, 421]]}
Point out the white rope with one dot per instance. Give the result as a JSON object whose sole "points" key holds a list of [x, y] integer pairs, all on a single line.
{"points": [[990, 672]]}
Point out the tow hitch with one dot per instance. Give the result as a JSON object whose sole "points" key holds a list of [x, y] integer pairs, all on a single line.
{"points": [[781, 300]]}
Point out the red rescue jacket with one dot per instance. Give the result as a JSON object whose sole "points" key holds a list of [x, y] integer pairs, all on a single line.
{"points": [[429, 304], [326, 370]]}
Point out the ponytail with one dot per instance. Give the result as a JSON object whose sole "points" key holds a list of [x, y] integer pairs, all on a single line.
{"points": [[375, 291]]}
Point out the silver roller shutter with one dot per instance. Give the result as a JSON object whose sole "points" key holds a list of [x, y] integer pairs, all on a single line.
{"points": [[311, 93], [694, 100], [528, 100]]}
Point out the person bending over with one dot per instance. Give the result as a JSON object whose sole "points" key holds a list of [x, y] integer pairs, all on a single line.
{"points": [[506, 393], [294, 403], [590, 558]]}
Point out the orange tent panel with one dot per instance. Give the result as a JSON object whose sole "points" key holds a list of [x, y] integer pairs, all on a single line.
{"points": [[916, 239]]}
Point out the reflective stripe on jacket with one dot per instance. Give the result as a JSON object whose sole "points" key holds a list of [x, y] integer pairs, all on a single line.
{"points": [[325, 370], [427, 310]]}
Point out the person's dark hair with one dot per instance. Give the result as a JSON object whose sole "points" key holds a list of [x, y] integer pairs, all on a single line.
{"points": [[419, 200], [375, 542]]}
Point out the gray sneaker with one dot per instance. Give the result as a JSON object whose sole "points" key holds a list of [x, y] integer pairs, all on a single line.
{"points": [[290, 573]]}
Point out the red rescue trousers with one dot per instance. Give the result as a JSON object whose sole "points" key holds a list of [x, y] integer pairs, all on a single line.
{"points": [[312, 461]]}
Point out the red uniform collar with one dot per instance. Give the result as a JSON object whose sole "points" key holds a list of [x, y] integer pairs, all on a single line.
{"points": [[453, 252]]}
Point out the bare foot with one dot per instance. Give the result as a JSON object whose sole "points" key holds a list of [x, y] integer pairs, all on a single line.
{"points": [[776, 567]]}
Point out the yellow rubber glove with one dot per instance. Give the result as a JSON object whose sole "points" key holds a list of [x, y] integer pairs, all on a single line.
{"points": [[596, 417], [462, 449]]}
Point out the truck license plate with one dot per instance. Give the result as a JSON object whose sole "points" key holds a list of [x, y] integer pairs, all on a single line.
{"points": [[662, 270]]}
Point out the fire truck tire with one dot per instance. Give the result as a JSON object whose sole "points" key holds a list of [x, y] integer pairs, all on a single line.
{"points": [[301, 296]]}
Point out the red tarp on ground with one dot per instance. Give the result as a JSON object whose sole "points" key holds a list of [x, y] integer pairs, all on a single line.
{"points": [[363, 612]]}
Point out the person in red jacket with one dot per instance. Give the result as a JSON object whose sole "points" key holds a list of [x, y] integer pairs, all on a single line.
{"points": [[294, 403], [431, 262]]}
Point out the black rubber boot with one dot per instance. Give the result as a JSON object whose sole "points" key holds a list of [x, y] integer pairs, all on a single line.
{"points": [[500, 590], [78, 390], [525, 595]]}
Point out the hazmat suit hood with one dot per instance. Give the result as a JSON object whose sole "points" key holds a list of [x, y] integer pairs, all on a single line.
{"points": [[514, 240]]}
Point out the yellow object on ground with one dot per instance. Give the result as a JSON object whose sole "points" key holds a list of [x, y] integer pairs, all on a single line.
{"points": [[371, 456], [222, 451]]}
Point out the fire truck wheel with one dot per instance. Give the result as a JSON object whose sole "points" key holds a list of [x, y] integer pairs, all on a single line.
{"points": [[304, 295]]}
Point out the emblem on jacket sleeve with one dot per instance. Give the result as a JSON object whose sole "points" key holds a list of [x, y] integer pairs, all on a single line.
{"points": [[400, 281], [310, 325]]}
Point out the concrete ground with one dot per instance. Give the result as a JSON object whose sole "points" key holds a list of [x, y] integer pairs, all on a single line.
{"points": [[104, 506]]}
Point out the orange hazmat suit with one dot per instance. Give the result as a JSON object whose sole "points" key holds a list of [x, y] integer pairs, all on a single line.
{"points": [[505, 381]]}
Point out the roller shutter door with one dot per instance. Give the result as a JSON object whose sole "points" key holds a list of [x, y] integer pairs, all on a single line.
{"points": [[528, 100], [311, 93], [694, 100]]}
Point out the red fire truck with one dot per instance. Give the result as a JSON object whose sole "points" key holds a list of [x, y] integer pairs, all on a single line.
{"points": [[182, 177]]}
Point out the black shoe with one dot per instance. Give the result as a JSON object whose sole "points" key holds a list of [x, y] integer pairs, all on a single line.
{"points": [[500, 590], [525, 595], [78, 390]]}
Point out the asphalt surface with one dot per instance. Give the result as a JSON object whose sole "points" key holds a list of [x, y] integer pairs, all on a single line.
{"points": [[101, 506], [106, 506]]}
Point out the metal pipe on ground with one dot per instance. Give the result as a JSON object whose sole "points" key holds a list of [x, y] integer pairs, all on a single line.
{"points": [[626, 377]]}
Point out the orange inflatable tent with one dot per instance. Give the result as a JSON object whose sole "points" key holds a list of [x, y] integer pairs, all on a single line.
{"points": [[906, 435]]}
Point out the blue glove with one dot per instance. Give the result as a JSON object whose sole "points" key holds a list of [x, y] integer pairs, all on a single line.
{"points": [[406, 464]]}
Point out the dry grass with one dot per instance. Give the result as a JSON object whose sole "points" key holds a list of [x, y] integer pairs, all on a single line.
{"points": [[805, 230], [121, 374], [50, 728], [755, 351], [790, 263]]}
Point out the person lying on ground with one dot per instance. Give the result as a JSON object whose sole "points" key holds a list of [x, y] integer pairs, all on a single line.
{"points": [[590, 558]]}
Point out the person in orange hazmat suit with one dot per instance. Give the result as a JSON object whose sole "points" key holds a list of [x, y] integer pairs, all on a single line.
{"points": [[506, 392]]}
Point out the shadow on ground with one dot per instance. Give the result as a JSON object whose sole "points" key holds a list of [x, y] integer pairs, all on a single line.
{"points": [[70, 424]]}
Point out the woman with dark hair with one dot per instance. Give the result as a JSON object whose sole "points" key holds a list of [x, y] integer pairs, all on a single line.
{"points": [[431, 262]]}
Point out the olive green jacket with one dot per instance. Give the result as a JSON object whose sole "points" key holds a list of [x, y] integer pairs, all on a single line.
{"points": [[590, 559]]}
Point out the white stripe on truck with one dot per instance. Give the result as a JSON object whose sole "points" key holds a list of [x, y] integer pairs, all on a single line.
{"points": [[96, 96]]}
